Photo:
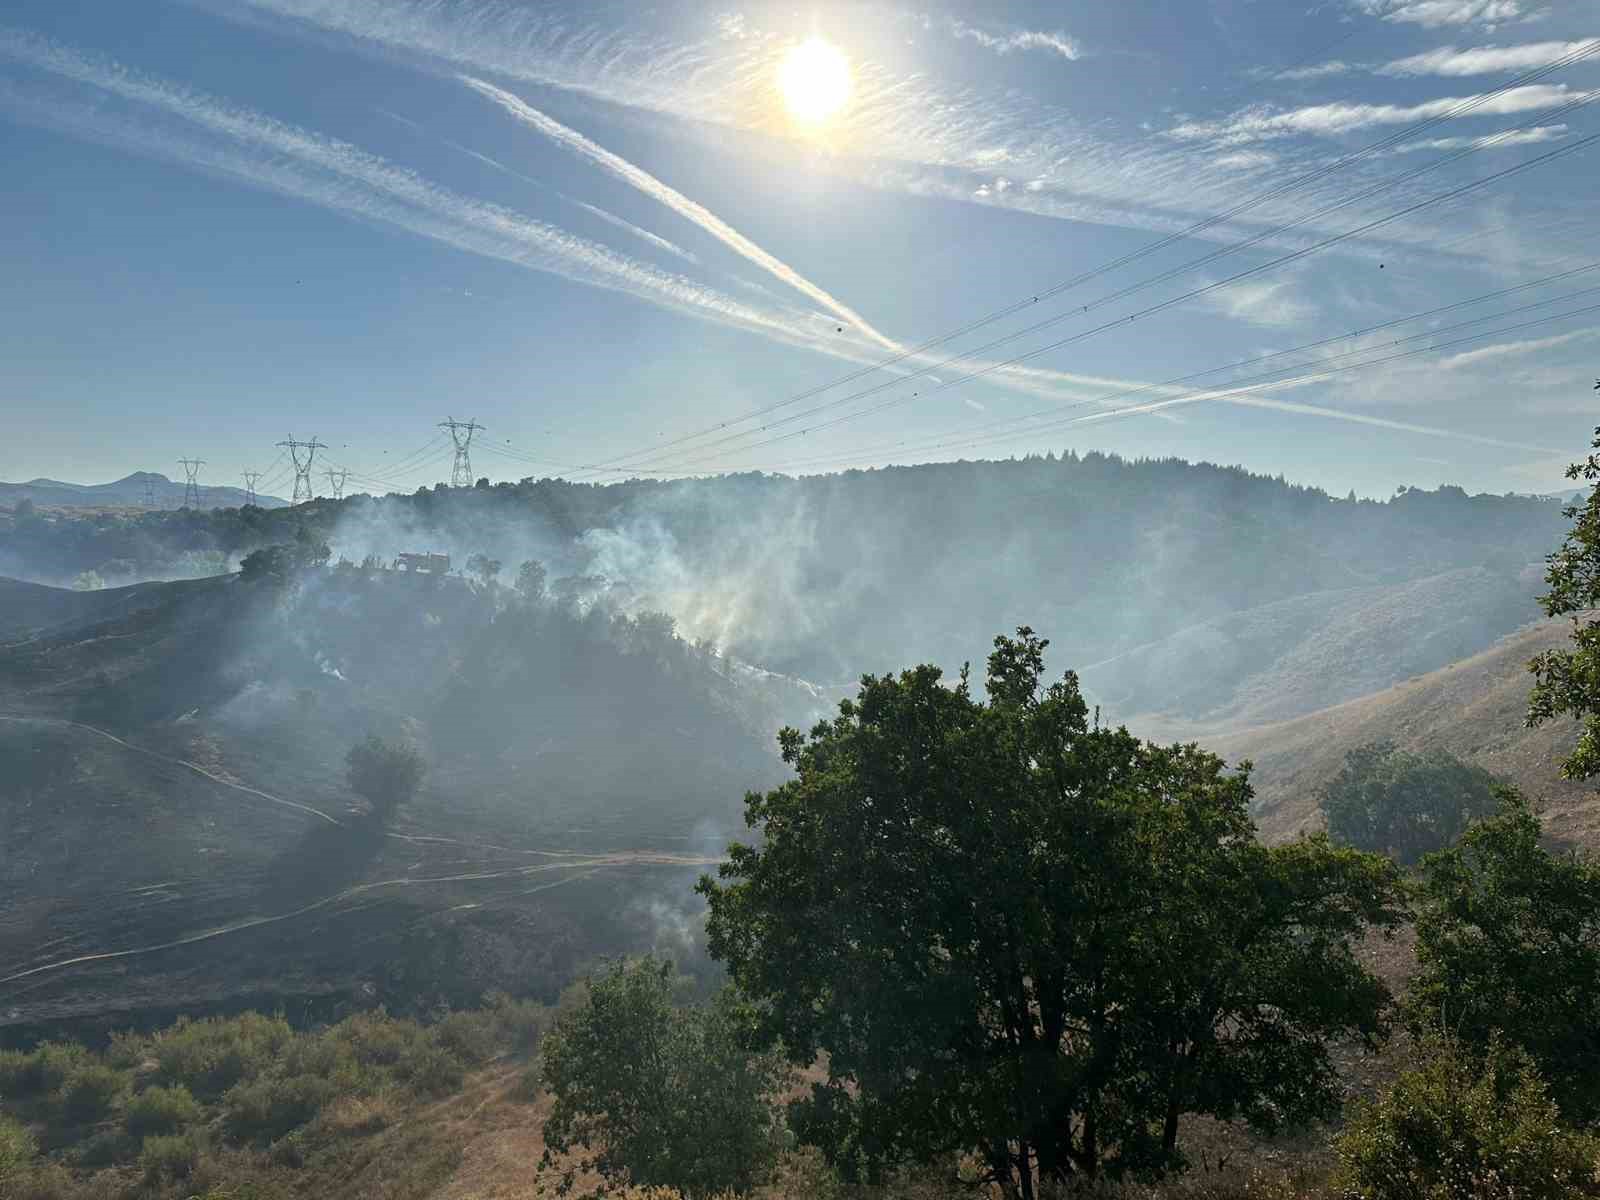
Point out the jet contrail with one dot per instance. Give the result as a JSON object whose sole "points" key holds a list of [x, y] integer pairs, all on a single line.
{"points": [[689, 209]]}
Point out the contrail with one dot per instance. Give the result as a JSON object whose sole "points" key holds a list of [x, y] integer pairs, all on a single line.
{"points": [[690, 210]]}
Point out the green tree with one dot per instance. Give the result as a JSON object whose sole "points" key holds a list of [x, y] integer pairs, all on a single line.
{"points": [[386, 774], [531, 578], [1508, 942], [1464, 1124], [1405, 805], [1036, 941], [660, 1095], [484, 567], [1567, 682]]}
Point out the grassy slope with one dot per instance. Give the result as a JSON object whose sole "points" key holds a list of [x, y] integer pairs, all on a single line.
{"points": [[1473, 708]]}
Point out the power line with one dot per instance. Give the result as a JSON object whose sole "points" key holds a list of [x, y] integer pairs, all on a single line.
{"points": [[1269, 381], [989, 368], [937, 443], [1584, 51]]}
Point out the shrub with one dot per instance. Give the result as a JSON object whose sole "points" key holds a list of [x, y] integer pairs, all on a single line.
{"points": [[472, 1037], [160, 1110], [43, 1070], [17, 1148], [91, 1093], [266, 1109], [169, 1156], [377, 1039], [1459, 1126], [660, 1095], [520, 1023], [211, 1056], [385, 774], [431, 1071]]}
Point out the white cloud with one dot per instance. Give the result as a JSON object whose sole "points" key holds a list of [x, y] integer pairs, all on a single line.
{"points": [[1243, 160], [1432, 14], [1331, 120], [1007, 43], [1484, 60], [1315, 71], [1505, 349], [1269, 303], [1495, 141], [690, 210]]}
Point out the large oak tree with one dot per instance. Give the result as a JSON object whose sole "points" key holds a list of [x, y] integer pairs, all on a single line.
{"points": [[1022, 936]]}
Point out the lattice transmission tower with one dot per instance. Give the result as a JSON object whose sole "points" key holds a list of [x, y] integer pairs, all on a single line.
{"points": [[149, 492], [250, 478], [302, 468], [461, 434], [191, 487], [336, 480]]}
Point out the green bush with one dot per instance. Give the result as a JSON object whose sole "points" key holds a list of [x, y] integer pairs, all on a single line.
{"points": [[472, 1037], [1405, 805], [160, 1110], [211, 1056], [377, 1039], [91, 1093], [42, 1070], [1459, 1126], [17, 1148], [521, 1024], [430, 1070], [265, 1109], [169, 1156]]}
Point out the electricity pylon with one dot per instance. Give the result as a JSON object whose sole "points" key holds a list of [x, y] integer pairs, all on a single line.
{"points": [[336, 480], [250, 478], [149, 492], [461, 434], [191, 489], [302, 470]]}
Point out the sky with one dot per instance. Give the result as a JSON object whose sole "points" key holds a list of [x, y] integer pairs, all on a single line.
{"points": [[1352, 242]]}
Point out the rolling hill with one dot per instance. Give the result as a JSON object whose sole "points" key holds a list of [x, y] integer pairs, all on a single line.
{"points": [[127, 492]]}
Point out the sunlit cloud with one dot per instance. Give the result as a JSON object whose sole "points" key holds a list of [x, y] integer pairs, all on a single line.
{"points": [[1482, 60], [1262, 122], [1507, 349], [1022, 39], [1432, 14], [1496, 141]]}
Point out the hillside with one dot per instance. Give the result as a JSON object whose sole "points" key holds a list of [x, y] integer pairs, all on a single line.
{"points": [[180, 831], [1473, 708], [130, 491]]}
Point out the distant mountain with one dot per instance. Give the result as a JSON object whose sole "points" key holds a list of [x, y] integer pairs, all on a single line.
{"points": [[129, 492]]}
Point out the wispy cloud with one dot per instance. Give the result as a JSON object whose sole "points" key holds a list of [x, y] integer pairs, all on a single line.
{"points": [[1446, 61], [1021, 39], [1432, 14], [1483, 354], [1269, 303], [1496, 141], [1262, 122], [1483, 60], [690, 210], [271, 154]]}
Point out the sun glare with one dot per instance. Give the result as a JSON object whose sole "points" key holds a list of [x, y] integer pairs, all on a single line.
{"points": [[815, 80]]}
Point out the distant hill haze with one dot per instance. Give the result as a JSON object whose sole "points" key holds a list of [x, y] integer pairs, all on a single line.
{"points": [[128, 492]]}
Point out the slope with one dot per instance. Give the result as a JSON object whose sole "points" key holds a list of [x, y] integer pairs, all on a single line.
{"points": [[1473, 708]]}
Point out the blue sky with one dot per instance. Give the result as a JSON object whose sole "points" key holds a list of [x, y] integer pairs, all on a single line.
{"points": [[638, 239]]}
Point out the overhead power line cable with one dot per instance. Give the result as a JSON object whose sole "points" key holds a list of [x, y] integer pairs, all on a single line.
{"points": [[1149, 310], [1578, 54]]}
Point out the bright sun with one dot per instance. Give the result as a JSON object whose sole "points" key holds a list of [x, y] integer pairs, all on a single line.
{"points": [[815, 80]]}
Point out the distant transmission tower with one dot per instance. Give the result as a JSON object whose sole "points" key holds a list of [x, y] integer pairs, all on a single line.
{"points": [[461, 434], [336, 480], [250, 478], [302, 470], [149, 492], [191, 489]]}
